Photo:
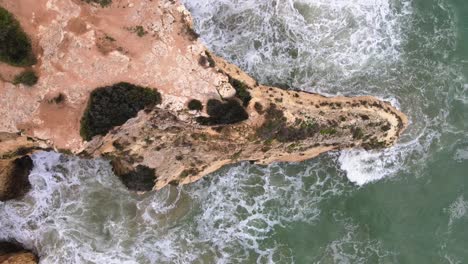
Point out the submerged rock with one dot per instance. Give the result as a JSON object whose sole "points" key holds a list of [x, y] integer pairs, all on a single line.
{"points": [[12, 253]]}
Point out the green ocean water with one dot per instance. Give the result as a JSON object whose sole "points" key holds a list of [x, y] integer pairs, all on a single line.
{"points": [[406, 204]]}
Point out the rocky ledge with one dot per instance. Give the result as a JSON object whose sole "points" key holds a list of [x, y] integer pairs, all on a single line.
{"points": [[129, 80], [15, 164], [12, 253]]}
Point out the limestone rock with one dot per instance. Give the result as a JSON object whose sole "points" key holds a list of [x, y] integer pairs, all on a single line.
{"points": [[12, 253]]}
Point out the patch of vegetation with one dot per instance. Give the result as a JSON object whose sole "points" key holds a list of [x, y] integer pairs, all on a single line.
{"points": [[276, 127], [188, 172], [109, 38], [374, 144], [223, 113], [258, 107], [27, 77], [385, 127], [328, 131], [15, 46], [60, 98], [102, 3], [140, 31], [241, 91], [141, 179], [357, 133], [195, 104], [112, 106]]}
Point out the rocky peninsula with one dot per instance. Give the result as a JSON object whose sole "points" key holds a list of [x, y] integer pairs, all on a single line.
{"points": [[130, 81]]}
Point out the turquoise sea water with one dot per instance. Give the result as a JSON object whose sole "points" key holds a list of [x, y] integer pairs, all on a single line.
{"points": [[406, 204]]}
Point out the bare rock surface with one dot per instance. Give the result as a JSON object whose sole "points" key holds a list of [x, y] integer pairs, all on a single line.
{"points": [[11, 253]]}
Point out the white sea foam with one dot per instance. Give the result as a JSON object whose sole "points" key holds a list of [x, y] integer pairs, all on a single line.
{"points": [[457, 210], [79, 212], [461, 155], [354, 245], [302, 42], [242, 209]]}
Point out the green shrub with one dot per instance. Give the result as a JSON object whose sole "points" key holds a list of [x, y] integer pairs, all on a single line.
{"points": [[28, 78], [276, 127], [328, 131], [195, 105], [140, 31], [15, 46], [241, 91], [112, 106], [222, 113], [103, 3]]}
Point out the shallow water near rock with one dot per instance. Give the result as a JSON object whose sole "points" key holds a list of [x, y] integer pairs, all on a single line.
{"points": [[406, 204]]}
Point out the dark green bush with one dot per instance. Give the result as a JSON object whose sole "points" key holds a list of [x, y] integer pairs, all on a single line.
{"points": [[28, 78], [112, 106], [222, 113], [195, 105], [328, 131], [103, 3], [140, 31], [15, 46], [241, 91]]}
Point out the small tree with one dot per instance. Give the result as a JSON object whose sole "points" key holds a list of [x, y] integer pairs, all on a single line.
{"points": [[15, 46], [195, 104]]}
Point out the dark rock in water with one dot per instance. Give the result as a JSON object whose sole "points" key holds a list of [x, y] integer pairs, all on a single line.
{"points": [[13, 253], [140, 179], [14, 177]]}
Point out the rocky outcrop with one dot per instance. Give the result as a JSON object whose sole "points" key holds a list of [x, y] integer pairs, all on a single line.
{"points": [[150, 43], [283, 126], [14, 174], [12, 253], [15, 164]]}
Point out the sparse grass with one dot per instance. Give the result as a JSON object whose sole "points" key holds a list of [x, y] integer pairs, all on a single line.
{"points": [[27, 78], [328, 131], [222, 113], [195, 105], [112, 106], [15, 46]]}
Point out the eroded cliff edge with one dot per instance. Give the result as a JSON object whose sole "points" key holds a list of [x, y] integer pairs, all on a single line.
{"points": [[82, 46]]}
